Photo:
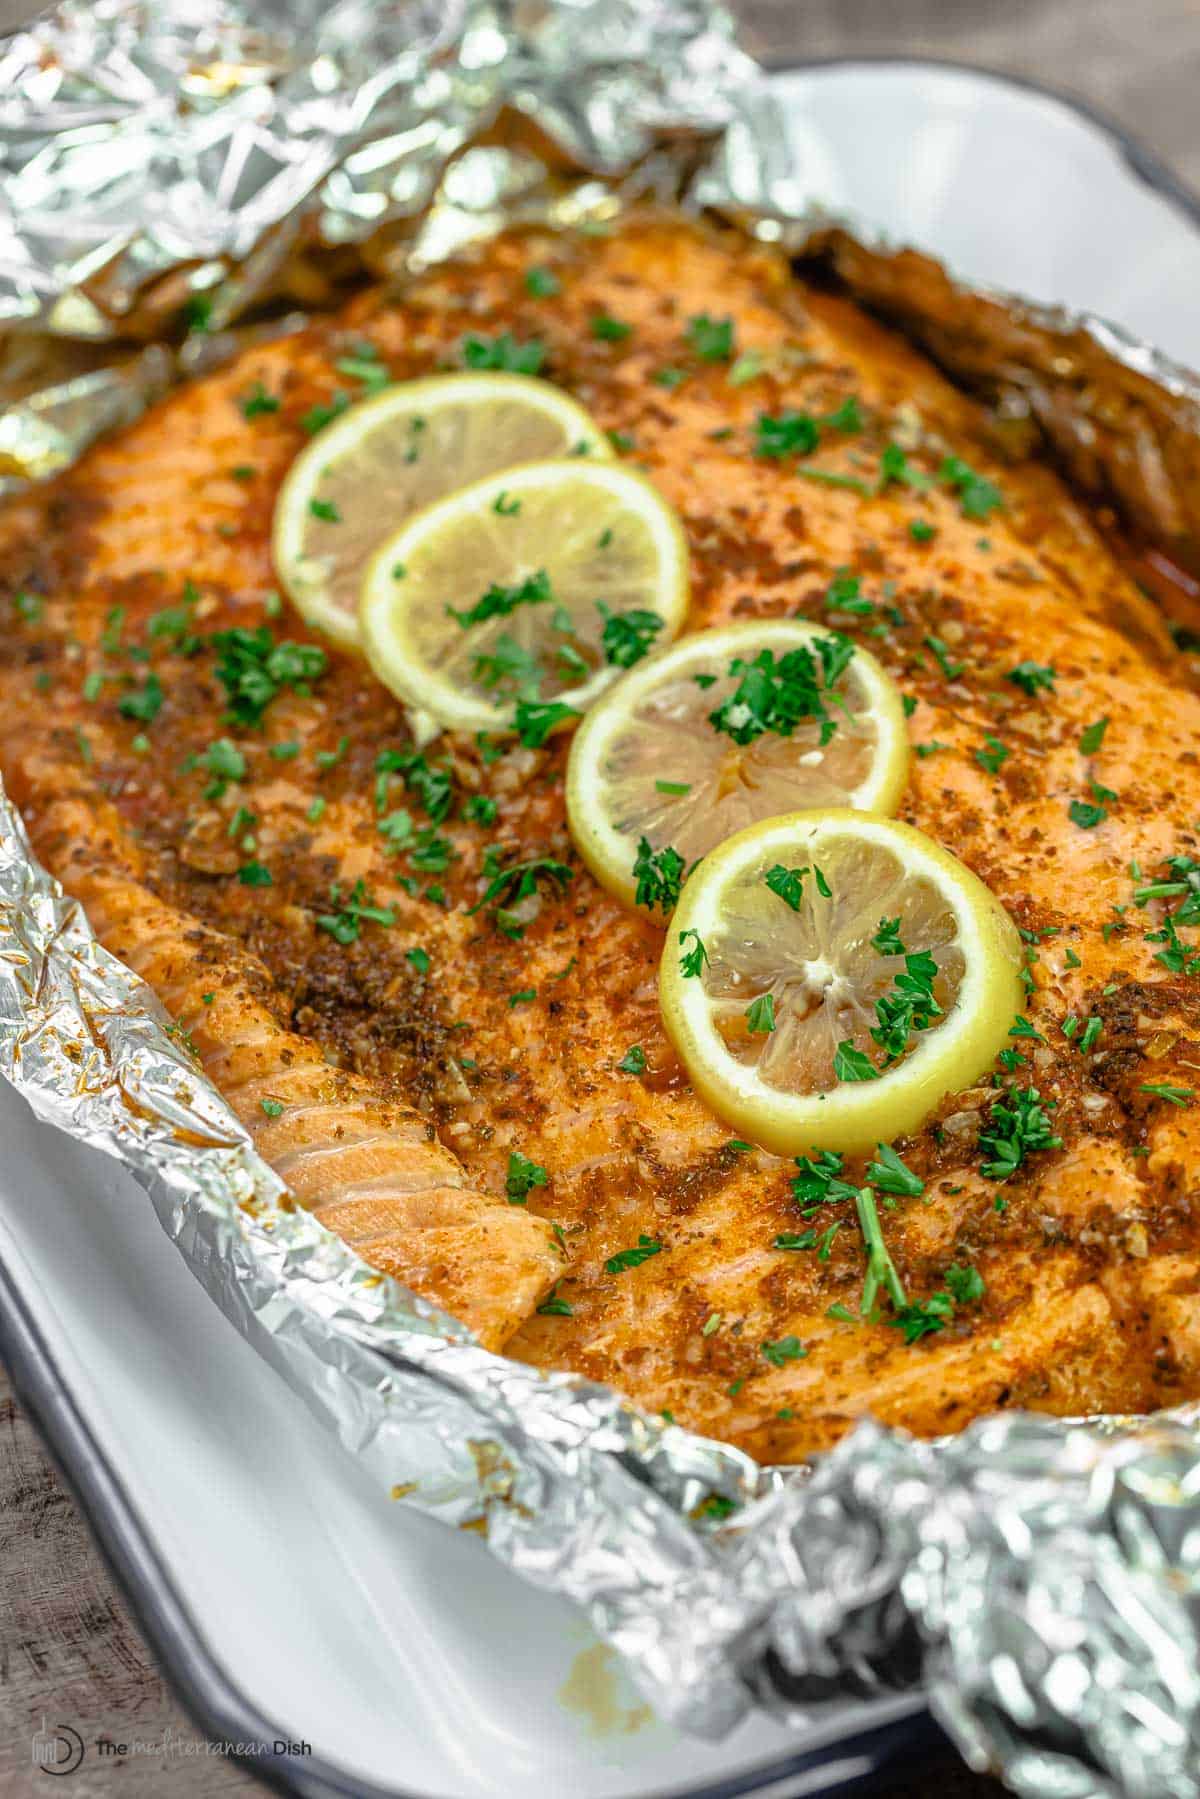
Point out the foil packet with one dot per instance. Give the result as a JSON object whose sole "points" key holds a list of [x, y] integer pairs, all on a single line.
{"points": [[173, 177]]}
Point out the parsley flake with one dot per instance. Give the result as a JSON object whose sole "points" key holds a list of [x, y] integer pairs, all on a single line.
{"points": [[633, 1258], [345, 924], [692, 961], [522, 1177], [711, 339], [659, 875], [500, 601], [787, 433], [775, 694], [503, 352], [760, 1014], [628, 636]]}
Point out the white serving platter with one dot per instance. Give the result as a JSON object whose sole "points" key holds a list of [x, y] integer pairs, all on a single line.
{"points": [[284, 1596]]}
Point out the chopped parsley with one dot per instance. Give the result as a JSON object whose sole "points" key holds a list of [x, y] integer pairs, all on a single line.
{"points": [[507, 887], [503, 352], [847, 417], [760, 1014], [894, 467], [659, 875], [920, 530], [364, 367], [553, 1306], [542, 283], [344, 925], [144, 703], [748, 367], [1175, 1096], [522, 1177], [819, 1181], [788, 883], [254, 669], [783, 1350], [480, 809], [628, 635], [832, 478], [317, 417], [224, 762], [911, 1005], [993, 756], [431, 785], [1018, 1125], [977, 496], [942, 656], [1032, 678], [963, 1287], [256, 401], [711, 339], [850, 1064], [254, 874], [500, 601], [775, 694], [892, 1175], [633, 1061], [1086, 815], [887, 938], [644, 1248], [923, 1316], [845, 594], [785, 434], [508, 666], [609, 330], [535, 719], [692, 961], [1093, 736]]}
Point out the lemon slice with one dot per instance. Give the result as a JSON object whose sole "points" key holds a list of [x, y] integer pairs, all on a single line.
{"points": [[511, 603], [830, 976], [388, 457], [648, 763]]}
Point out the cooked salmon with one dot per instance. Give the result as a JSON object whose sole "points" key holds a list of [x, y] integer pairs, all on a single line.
{"points": [[457, 1098]]}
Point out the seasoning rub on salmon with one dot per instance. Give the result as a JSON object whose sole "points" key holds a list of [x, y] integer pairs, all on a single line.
{"points": [[445, 1067]]}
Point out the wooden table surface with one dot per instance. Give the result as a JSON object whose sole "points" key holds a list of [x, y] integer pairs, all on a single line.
{"points": [[69, 1648]]}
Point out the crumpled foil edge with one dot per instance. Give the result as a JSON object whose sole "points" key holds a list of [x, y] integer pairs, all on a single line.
{"points": [[1040, 1577]]}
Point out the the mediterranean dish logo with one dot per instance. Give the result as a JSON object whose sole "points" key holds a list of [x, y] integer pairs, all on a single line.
{"points": [[59, 1749]]}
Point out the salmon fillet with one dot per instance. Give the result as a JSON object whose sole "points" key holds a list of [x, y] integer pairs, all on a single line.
{"points": [[416, 1065]]}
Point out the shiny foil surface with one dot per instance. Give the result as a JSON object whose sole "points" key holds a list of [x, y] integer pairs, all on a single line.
{"points": [[174, 175]]}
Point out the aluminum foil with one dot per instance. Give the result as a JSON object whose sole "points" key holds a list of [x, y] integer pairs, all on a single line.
{"points": [[169, 173]]}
